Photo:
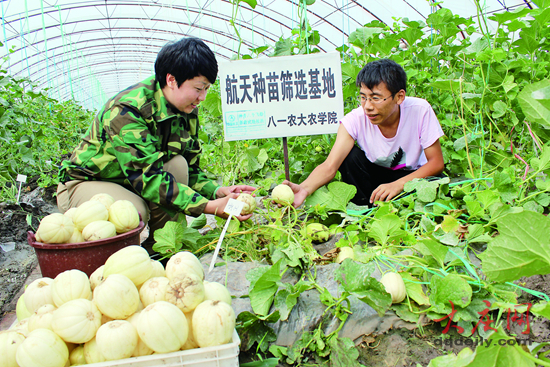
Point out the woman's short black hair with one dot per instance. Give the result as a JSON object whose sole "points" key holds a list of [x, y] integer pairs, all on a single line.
{"points": [[186, 59], [383, 70]]}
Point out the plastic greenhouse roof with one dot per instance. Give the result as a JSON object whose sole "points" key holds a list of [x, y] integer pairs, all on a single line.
{"points": [[91, 49]]}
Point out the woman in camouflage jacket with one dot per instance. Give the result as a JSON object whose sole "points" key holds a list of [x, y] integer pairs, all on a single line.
{"points": [[143, 144]]}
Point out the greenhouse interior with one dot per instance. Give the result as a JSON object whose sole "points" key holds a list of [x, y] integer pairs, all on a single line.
{"points": [[275, 183]]}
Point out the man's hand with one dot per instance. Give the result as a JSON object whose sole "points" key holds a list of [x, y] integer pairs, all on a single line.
{"points": [[217, 207], [386, 192], [235, 189], [300, 194]]}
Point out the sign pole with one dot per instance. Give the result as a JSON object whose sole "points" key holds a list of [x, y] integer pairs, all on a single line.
{"points": [[285, 149]]}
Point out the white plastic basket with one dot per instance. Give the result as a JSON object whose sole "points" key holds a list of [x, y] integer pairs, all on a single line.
{"points": [[226, 355]]}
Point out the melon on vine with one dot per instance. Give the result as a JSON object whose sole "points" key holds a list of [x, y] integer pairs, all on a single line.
{"points": [[395, 286]]}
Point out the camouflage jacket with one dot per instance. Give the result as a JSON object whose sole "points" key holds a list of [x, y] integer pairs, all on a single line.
{"points": [[129, 141]]}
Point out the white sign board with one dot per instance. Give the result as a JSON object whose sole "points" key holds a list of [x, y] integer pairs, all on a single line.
{"points": [[281, 96]]}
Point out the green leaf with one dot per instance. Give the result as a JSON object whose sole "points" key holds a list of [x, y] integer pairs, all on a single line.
{"points": [[522, 247], [256, 330], [432, 247], [268, 362], [286, 299], [385, 228], [343, 352], [355, 278], [335, 196], [446, 84], [543, 162], [509, 15], [534, 100], [450, 288], [169, 239], [252, 3], [263, 289], [494, 354], [361, 36], [213, 104], [199, 222], [499, 108], [414, 289], [283, 47], [462, 359]]}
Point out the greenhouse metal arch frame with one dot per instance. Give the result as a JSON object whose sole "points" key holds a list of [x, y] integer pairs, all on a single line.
{"points": [[88, 50]]}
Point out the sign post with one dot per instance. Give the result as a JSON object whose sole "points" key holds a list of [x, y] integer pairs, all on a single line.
{"points": [[284, 96]]}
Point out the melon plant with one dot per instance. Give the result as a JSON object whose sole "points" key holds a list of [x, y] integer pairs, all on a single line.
{"points": [[249, 203], [283, 195], [395, 286]]}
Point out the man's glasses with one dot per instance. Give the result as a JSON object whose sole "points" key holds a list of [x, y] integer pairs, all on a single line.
{"points": [[373, 100]]}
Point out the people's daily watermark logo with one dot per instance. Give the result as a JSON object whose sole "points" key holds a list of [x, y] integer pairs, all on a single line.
{"points": [[522, 319], [479, 341]]}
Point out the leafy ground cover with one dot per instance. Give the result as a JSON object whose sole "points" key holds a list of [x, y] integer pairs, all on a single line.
{"points": [[468, 246]]}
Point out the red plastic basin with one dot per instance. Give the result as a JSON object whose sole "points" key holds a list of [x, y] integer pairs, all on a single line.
{"points": [[86, 256]]}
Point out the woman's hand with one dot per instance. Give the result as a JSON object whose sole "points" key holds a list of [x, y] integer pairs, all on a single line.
{"points": [[217, 207], [235, 189], [300, 194]]}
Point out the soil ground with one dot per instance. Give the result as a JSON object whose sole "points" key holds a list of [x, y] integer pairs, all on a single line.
{"points": [[398, 347]]}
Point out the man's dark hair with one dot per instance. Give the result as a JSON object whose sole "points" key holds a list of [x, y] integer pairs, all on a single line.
{"points": [[186, 59], [383, 70]]}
